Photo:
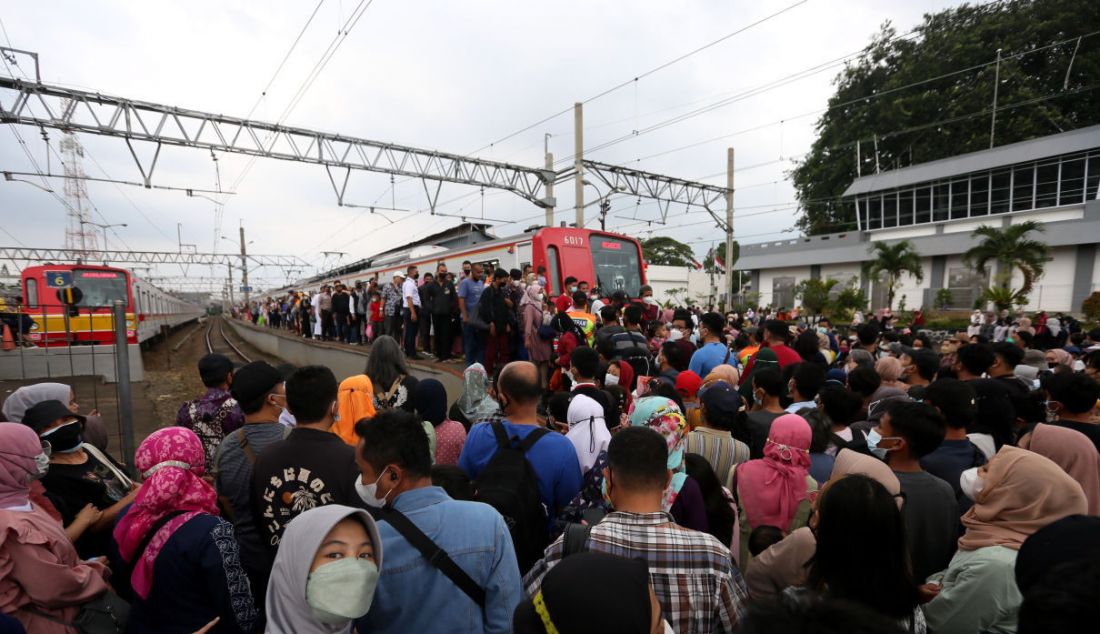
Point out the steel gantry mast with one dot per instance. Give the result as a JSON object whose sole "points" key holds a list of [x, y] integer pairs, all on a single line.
{"points": [[45, 105], [32, 254]]}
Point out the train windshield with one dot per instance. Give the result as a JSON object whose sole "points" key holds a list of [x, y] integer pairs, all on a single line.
{"points": [[100, 288], [616, 264]]}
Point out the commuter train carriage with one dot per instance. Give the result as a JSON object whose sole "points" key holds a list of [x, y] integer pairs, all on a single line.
{"points": [[148, 308], [606, 260]]}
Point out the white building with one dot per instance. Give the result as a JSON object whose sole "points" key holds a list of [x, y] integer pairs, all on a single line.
{"points": [[937, 206]]}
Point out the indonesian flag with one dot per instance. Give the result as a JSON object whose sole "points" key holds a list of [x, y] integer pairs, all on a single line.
{"points": [[696, 264], [719, 264]]}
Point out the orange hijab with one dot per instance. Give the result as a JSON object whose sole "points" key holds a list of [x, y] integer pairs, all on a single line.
{"points": [[356, 401], [1023, 492], [1071, 450]]}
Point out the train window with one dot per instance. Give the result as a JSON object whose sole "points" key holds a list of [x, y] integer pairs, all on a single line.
{"points": [[616, 264], [100, 288], [32, 293], [554, 277]]}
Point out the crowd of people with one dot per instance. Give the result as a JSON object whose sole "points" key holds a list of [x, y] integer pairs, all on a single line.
{"points": [[609, 466]]}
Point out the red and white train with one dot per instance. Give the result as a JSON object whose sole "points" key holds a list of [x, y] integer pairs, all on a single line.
{"points": [[608, 261], [89, 321]]}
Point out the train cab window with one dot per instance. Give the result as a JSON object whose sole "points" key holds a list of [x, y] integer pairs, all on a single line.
{"points": [[32, 293], [554, 270], [616, 264], [100, 288]]}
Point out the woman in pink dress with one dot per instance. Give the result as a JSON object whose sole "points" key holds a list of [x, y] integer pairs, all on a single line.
{"points": [[42, 579]]}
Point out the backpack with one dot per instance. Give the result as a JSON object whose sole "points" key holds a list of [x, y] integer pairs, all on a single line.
{"points": [[509, 485]]}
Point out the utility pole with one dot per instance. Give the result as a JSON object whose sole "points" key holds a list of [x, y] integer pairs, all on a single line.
{"points": [[244, 268], [578, 161], [996, 85], [728, 280], [549, 181], [229, 268]]}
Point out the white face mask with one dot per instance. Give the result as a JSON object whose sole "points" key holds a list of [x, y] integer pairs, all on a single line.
{"points": [[369, 492], [971, 483], [611, 379], [42, 464]]}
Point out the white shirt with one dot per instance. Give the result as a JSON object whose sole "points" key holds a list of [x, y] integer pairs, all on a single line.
{"points": [[409, 289]]}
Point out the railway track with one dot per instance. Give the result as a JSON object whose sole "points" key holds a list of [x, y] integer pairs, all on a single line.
{"points": [[221, 342]]}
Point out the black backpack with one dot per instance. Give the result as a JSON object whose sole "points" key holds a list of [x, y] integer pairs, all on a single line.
{"points": [[509, 485]]}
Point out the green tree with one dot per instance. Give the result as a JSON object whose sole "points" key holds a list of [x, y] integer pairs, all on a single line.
{"points": [[665, 251], [947, 111], [893, 261], [709, 264], [814, 295], [1011, 249], [849, 300]]}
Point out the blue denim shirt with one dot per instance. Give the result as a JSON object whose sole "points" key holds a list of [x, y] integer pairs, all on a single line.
{"points": [[414, 596]]}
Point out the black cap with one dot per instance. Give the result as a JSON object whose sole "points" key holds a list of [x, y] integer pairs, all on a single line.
{"points": [[43, 413], [721, 400], [214, 368], [254, 380]]}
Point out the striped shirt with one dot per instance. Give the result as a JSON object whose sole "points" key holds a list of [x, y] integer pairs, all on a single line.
{"points": [[720, 449], [696, 582]]}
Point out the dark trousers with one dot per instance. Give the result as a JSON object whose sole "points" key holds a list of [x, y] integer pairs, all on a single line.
{"points": [[425, 328], [443, 341], [496, 350], [473, 344], [326, 324], [393, 325], [343, 328], [410, 331]]}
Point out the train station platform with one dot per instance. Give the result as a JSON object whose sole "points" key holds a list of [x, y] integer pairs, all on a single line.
{"points": [[68, 361], [344, 360]]}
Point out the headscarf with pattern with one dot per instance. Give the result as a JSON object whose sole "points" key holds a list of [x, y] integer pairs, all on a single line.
{"points": [[663, 416]]}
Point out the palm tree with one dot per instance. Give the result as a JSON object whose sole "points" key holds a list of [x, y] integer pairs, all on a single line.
{"points": [[894, 260], [1010, 249]]}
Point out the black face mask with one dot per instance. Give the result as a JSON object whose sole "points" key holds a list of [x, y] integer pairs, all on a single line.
{"points": [[66, 438]]}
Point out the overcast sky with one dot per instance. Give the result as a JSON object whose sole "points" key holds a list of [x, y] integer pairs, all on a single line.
{"points": [[451, 76]]}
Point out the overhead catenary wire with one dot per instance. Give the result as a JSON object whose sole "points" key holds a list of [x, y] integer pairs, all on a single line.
{"points": [[289, 51]]}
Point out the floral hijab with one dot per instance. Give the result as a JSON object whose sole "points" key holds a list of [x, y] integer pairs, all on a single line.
{"points": [[663, 416]]}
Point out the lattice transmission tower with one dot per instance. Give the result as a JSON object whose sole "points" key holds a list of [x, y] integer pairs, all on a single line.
{"points": [[78, 236]]}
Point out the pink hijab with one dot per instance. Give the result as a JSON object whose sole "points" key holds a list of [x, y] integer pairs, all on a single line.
{"points": [[171, 461], [1071, 450], [771, 488], [18, 447]]}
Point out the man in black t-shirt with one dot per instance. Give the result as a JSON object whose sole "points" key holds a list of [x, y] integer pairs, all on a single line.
{"points": [[1072, 397], [312, 467]]}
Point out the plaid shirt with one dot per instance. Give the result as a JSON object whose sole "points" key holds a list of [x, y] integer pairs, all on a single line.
{"points": [[698, 586]]}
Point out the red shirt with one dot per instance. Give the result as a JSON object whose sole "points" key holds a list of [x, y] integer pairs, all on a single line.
{"points": [[785, 354]]}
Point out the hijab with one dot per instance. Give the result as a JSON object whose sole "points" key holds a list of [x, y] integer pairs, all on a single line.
{"points": [[28, 396], [890, 369], [18, 447], [663, 416], [565, 602], [355, 401], [724, 372], [850, 462], [626, 379], [772, 487], [531, 296], [1022, 492], [764, 358], [287, 609], [475, 403], [587, 430], [1061, 357], [172, 462], [1071, 450], [430, 398], [1055, 326]]}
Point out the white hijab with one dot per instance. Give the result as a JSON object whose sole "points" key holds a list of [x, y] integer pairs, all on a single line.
{"points": [[28, 396], [587, 430]]}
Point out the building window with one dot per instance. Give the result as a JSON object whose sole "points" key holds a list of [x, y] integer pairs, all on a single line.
{"points": [[1023, 187], [783, 292], [924, 204], [32, 293], [959, 193], [890, 210], [1000, 191], [1046, 185], [905, 207], [940, 202], [979, 195], [1072, 181], [874, 212], [1093, 178]]}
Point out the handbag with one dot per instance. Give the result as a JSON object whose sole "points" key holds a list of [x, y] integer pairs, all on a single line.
{"points": [[547, 333], [105, 614]]}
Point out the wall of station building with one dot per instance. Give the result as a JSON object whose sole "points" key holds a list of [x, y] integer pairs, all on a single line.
{"points": [[1052, 292]]}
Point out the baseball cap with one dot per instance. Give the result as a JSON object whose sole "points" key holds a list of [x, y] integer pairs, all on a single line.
{"points": [[254, 380], [562, 303], [721, 401], [39, 416], [687, 383]]}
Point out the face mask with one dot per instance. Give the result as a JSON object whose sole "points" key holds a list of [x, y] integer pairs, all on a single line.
{"points": [[341, 591], [756, 398], [66, 438], [593, 297], [611, 379], [872, 444], [971, 483], [572, 289], [675, 334], [369, 492]]}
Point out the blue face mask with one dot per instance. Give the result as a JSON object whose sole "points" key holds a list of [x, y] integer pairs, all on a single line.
{"points": [[872, 444]]}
